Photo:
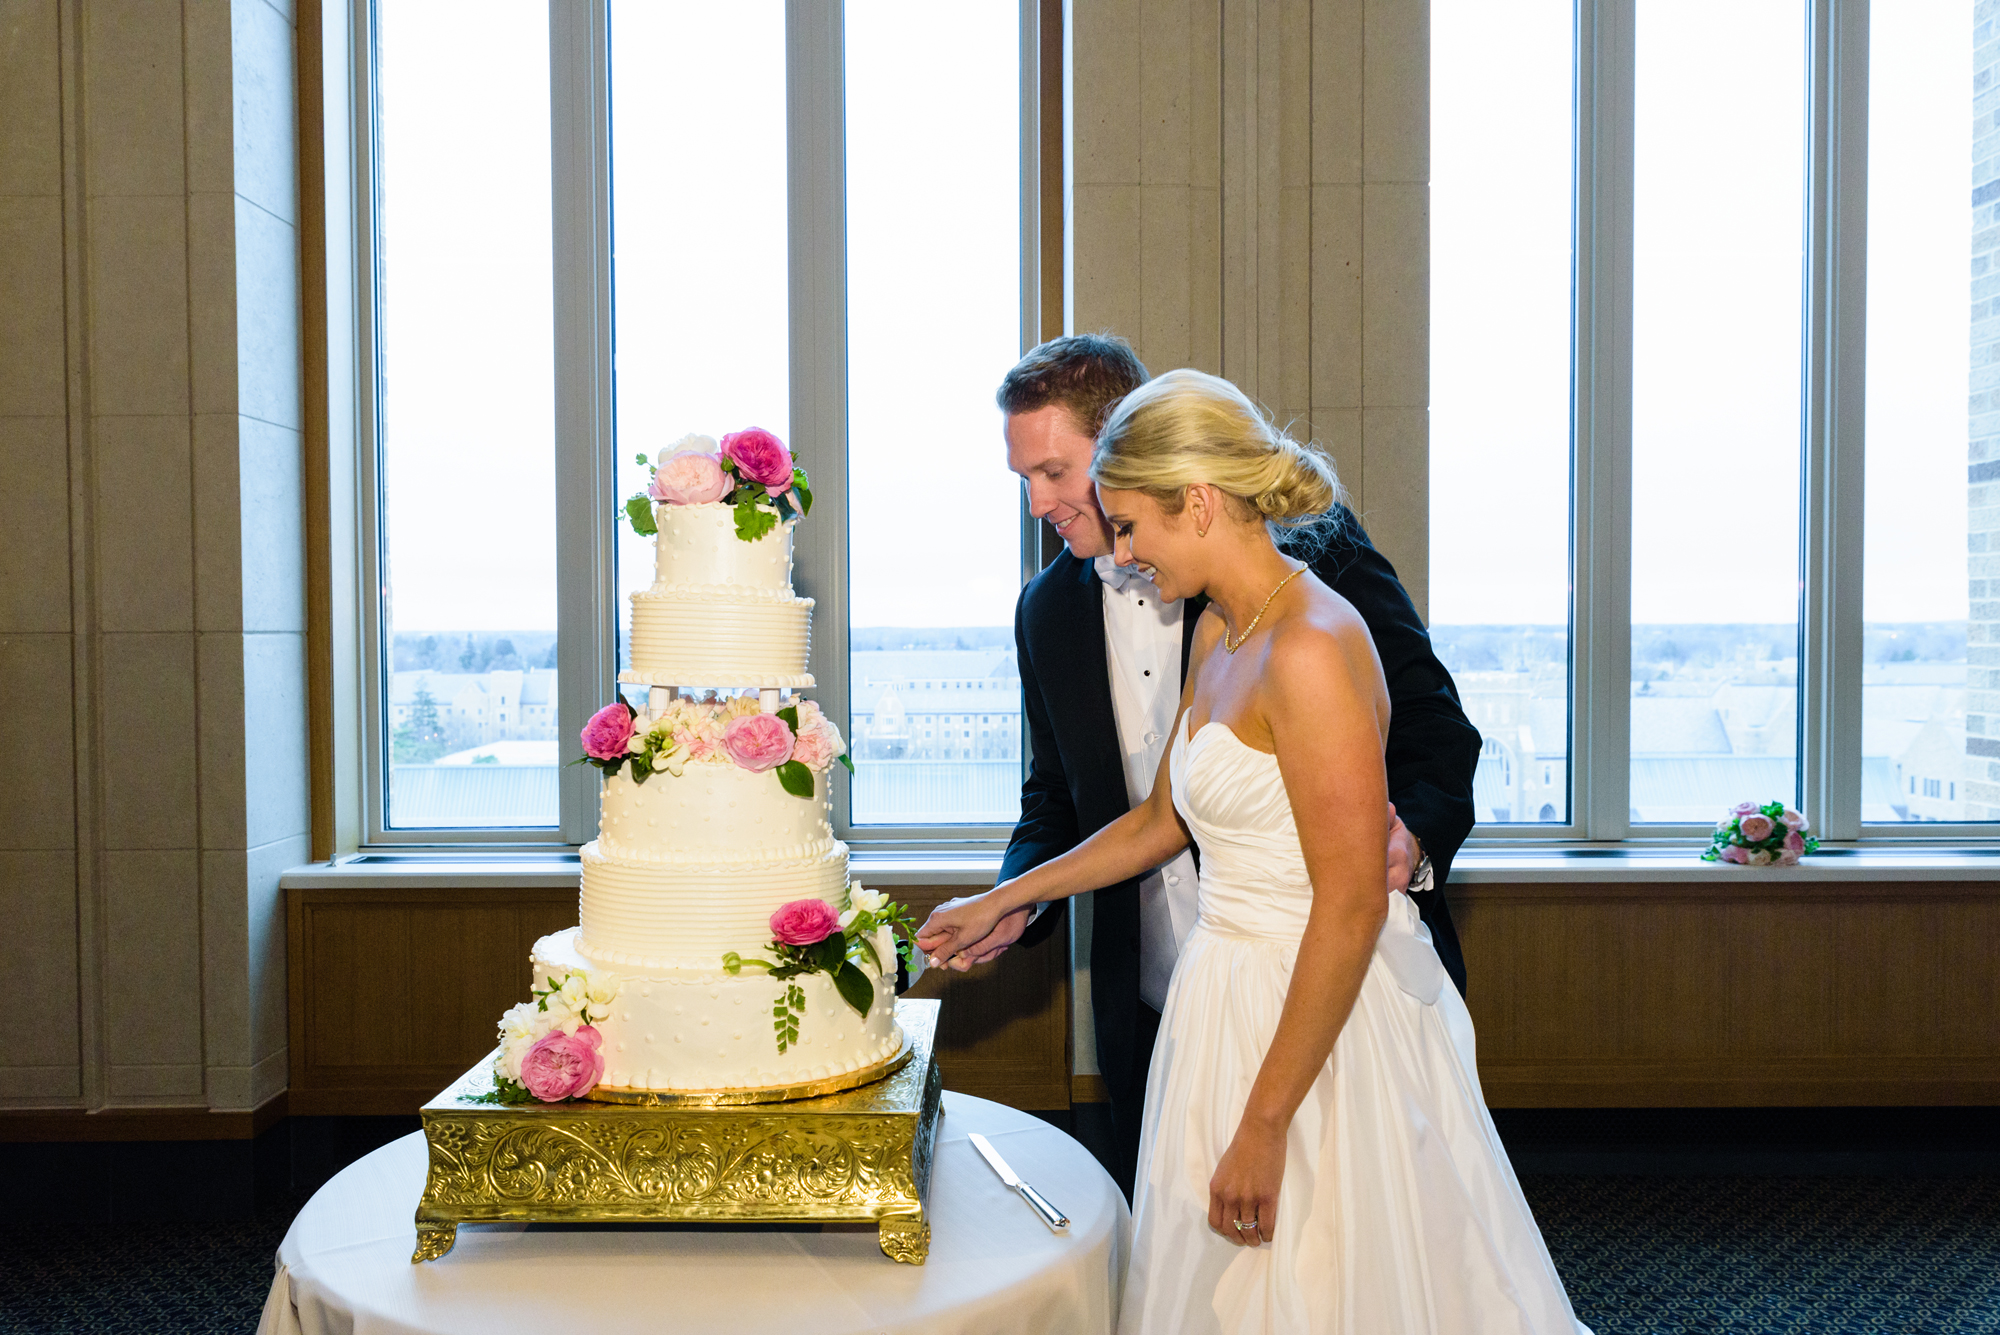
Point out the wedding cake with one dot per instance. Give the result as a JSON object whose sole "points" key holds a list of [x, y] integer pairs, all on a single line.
{"points": [[720, 946]]}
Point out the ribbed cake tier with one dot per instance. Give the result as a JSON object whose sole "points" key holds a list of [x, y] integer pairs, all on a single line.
{"points": [[685, 636], [672, 1030], [688, 915], [712, 815]]}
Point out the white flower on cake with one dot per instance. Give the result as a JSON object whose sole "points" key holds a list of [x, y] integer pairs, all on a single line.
{"points": [[548, 1047]]}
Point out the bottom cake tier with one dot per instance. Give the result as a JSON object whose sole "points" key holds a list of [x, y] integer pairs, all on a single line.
{"points": [[693, 1030]]}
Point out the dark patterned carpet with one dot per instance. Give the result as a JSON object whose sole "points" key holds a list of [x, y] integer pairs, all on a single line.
{"points": [[1818, 1256]]}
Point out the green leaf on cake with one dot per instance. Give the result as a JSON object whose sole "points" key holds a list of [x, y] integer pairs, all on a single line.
{"points": [[639, 509], [844, 759], [753, 521], [804, 488], [856, 988], [790, 714], [796, 778]]}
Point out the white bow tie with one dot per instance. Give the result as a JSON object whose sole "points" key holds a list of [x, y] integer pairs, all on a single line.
{"points": [[1116, 576]]}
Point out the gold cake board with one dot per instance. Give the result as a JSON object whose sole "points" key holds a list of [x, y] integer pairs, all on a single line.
{"points": [[862, 1155]]}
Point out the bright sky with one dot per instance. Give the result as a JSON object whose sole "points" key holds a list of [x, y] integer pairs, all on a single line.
{"points": [[933, 174], [701, 268], [1719, 194]]}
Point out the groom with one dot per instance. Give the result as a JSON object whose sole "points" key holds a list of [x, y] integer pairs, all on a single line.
{"points": [[1102, 662]]}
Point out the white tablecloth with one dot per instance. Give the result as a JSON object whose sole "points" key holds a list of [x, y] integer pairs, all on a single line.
{"points": [[345, 1264]]}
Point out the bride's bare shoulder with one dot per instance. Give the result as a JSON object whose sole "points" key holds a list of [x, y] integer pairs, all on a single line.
{"points": [[1326, 646]]}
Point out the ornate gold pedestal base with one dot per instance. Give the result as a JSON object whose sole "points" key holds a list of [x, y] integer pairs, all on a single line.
{"points": [[859, 1156]]}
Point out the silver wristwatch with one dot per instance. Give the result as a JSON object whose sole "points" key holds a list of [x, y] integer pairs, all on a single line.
{"points": [[1421, 878]]}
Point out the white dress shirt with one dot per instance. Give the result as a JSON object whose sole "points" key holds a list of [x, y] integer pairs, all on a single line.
{"points": [[1142, 649]]}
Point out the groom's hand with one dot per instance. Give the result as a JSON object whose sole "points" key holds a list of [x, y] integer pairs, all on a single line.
{"points": [[1403, 853], [945, 937]]}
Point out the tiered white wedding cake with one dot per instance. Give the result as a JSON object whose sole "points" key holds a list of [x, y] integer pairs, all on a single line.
{"points": [[720, 946]]}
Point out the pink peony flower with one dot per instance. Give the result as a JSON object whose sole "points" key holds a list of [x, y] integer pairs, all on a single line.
{"points": [[609, 729], [1788, 859], [1731, 853], [758, 742], [1745, 808], [1795, 844], [804, 922], [814, 749], [759, 456], [1793, 820], [1756, 827], [563, 1066], [690, 478]]}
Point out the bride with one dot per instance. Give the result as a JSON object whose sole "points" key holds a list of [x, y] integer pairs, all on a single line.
{"points": [[1316, 1153]]}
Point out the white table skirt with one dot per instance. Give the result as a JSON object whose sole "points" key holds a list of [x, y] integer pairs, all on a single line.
{"points": [[994, 1267]]}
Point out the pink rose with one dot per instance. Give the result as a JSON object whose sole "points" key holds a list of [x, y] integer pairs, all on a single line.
{"points": [[759, 456], [1793, 820], [758, 742], [804, 922], [1731, 853], [1795, 844], [690, 478], [1745, 808], [609, 729], [814, 749], [563, 1066], [1788, 859], [1756, 827]]}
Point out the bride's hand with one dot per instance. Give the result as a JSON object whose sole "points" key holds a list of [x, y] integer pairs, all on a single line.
{"points": [[1245, 1186], [956, 926]]}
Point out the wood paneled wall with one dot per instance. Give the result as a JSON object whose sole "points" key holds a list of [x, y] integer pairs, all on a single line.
{"points": [[394, 993], [1723, 992], [1734, 991]]}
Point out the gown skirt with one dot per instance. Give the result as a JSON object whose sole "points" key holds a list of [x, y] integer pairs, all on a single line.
{"points": [[1398, 1212]]}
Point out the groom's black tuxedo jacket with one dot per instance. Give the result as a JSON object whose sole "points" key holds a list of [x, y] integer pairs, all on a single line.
{"points": [[1076, 784]]}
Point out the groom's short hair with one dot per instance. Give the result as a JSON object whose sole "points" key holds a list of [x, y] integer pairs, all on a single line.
{"points": [[1086, 373]]}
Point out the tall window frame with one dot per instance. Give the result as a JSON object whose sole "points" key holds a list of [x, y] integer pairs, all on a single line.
{"points": [[585, 435], [1834, 359]]}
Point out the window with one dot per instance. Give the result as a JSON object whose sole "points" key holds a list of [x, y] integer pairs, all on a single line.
{"points": [[689, 219], [1700, 403]]}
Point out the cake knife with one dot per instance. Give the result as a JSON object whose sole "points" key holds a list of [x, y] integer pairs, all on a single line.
{"points": [[1051, 1216]]}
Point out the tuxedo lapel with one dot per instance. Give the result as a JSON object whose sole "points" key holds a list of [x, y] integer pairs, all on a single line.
{"points": [[1190, 614], [1076, 681]]}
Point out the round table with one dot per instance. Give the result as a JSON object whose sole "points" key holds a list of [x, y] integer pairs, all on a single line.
{"points": [[994, 1266]]}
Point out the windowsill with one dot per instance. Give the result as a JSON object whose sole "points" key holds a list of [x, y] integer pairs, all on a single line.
{"points": [[1486, 864]]}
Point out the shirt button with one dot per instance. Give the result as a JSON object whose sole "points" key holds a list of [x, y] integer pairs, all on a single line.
{"points": [[1152, 737], [1173, 880]]}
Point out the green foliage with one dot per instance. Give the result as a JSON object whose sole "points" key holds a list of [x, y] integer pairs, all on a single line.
{"points": [[803, 486], [796, 779], [753, 521], [507, 1091], [786, 1013], [421, 739], [639, 509], [855, 987], [844, 759]]}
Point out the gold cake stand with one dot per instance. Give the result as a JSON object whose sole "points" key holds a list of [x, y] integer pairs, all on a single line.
{"points": [[862, 1155]]}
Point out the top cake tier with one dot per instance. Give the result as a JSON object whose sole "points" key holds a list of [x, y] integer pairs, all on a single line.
{"points": [[721, 611]]}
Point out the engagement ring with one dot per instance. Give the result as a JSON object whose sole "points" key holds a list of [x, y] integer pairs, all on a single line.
{"points": [[1243, 1226]]}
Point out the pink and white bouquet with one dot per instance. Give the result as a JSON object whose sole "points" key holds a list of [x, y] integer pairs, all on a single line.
{"points": [[549, 1047], [751, 470], [810, 936], [1761, 835], [796, 743]]}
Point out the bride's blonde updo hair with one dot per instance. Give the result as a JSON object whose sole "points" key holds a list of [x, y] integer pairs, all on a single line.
{"points": [[1186, 427]]}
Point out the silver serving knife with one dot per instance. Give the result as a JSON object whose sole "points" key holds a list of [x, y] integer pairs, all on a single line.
{"points": [[1051, 1216]]}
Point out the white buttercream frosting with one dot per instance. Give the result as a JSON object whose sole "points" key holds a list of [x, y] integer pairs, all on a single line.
{"points": [[705, 1030], [721, 611]]}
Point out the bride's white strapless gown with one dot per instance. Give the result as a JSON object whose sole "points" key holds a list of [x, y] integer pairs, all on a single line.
{"points": [[1399, 1211]]}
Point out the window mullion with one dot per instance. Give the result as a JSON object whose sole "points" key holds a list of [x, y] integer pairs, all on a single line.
{"points": [[1830, 629], [1601, 499], [816, 174], [580, 152]]}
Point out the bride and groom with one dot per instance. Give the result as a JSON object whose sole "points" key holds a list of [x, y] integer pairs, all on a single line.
{"points": [[1313, 1152]]}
